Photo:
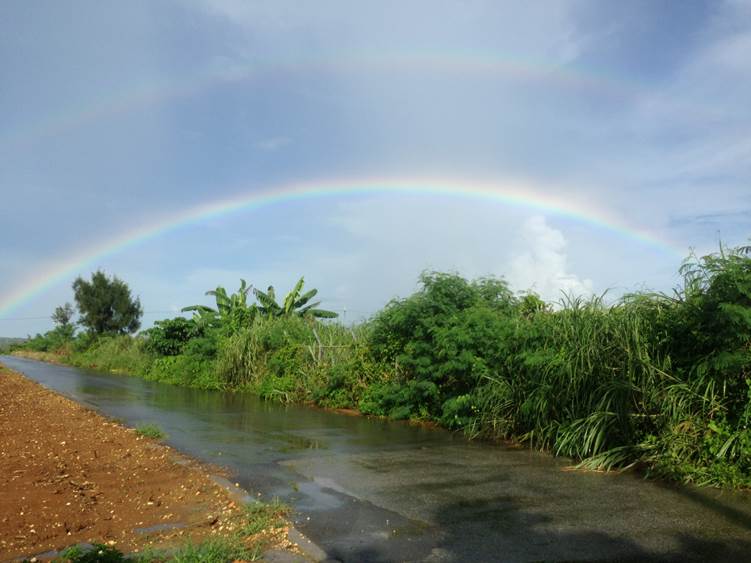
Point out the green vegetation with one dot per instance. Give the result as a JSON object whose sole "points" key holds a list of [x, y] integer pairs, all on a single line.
{"points": [[63, 319], [255, 534], [218, 550], [105, 305], [295, 303], [97, 553], [7, 343], [658, 381], [150, 431], [260, 516], [215, 550], [231, 313]]}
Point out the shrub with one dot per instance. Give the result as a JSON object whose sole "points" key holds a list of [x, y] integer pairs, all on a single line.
{"points": [[170, 336], [442, 341], [51, 341]]}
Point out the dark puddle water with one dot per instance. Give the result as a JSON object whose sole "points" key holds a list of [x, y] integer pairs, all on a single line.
{"points": [[373, 490]]}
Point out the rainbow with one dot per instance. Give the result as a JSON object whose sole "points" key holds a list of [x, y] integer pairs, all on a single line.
{"points": [[156, 91], [510, 193]]}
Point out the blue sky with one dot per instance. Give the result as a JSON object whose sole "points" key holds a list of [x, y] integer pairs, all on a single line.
{"points": [[117, 115]]}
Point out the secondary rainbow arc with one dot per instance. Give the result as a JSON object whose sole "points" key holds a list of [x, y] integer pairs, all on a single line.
{"points": [[154, 92]]}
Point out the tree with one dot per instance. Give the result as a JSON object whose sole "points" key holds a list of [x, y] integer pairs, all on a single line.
{"points": [[62, 319], [295, 303], [106, 306], [62, 316]]}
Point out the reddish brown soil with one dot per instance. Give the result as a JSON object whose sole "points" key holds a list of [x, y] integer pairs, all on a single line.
{"points": [[69, 475]]}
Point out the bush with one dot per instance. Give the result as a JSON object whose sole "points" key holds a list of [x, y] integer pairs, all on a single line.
{"points": [[346, 380], [169, 337], [51, 341], [442, 342], [458, 412], [413, 399]]}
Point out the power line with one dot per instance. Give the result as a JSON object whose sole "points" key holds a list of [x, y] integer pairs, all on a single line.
{"points": [[49, 317]]}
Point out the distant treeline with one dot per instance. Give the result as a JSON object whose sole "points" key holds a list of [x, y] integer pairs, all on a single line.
{"points": [[662, 382], [6, 343]]}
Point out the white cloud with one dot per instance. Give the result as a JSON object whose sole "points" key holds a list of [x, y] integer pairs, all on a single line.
{"points": [[403, 238], [542, 265]]}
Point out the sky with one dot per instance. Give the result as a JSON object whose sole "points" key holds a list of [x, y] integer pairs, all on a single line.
{"points": [[569, 146]]}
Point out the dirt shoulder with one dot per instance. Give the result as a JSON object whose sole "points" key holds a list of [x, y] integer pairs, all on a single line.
{"points": [[69, 475]]}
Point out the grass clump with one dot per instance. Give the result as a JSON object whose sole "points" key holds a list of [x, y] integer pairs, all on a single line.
{"points": [[215, 550], [150, 431], [257, 532], [96, 553], [261, 516]]}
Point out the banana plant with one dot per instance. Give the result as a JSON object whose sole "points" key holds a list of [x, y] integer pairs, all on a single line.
{"points": [[267, 304], [295, 303], [231, 310]]}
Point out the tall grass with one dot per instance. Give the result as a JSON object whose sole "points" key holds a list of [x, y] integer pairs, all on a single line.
{"points": [[584, 382], [119, 354], [296, 359], [663, 381]]}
